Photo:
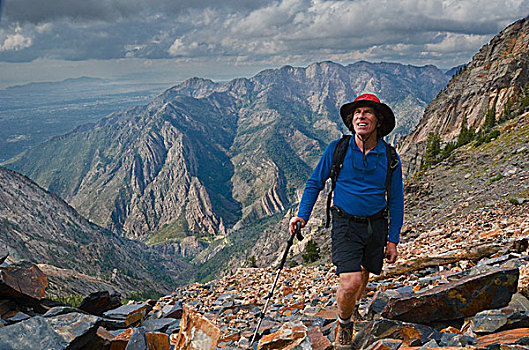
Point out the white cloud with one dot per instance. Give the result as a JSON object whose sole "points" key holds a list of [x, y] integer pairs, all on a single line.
{"points": [[15, 41], [178, 48], [454, 42], [44, 28]]}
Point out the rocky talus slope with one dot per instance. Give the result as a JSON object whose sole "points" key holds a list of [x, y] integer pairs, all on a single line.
{"points": [[491, 83], [458, 285]]}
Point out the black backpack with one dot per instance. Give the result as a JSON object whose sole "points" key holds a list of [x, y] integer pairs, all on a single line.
{"points": [[337, 163]]}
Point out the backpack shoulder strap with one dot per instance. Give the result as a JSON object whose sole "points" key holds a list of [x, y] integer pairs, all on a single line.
{"points": [[393, 163], [337, 163]]}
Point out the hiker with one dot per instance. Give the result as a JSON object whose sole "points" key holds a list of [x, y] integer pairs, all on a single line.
{"points": [[365, 227]]}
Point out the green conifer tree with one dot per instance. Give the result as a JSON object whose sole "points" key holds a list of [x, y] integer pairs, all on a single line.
{"points": [[465, 135], [312, 252], [433, 149]]}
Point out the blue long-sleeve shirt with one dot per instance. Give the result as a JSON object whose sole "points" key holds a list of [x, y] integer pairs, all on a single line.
{"points": [[361, 186]]}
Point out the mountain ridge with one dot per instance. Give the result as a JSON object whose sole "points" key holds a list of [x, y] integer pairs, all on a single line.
{"points": [[204, 158], [38, 226]]}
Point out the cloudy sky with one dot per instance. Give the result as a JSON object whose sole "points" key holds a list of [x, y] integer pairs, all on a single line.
{"points": [[171, 40]]}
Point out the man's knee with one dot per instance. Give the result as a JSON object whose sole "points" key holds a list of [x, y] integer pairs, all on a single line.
{"points": [[351, 282]]}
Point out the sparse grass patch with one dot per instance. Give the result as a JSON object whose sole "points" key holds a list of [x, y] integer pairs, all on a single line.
{"points": [[293, 263], [496, 178], [142, 296], [487, 137], [74, 300], [513, 201]]}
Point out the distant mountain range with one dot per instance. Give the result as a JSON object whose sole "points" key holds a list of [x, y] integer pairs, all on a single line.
{"points": [[206, 157]]}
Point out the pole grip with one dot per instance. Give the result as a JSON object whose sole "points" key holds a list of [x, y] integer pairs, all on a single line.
{"points": [[299, 236]]}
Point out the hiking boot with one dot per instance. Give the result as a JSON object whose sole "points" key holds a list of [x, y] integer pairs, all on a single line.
{"points": [[343, 339]]}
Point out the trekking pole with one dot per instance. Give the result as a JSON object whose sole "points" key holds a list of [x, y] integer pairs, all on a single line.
{"points": [[297, 233]]}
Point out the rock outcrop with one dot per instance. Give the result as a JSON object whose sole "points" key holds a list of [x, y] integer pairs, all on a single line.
{"points": [[491, 83]]}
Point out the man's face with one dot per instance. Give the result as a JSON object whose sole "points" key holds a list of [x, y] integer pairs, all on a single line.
{"points": [[364, 121]]}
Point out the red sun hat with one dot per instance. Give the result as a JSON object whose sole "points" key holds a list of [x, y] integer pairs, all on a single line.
{"points": [[371, 100]]}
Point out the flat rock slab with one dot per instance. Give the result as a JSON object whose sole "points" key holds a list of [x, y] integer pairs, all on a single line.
{"points": [[129, 314], [99, 302], [318, 340], [34, 333], [59, 310], [386, 344], [491, 321], [72, 326], [19, 316], [411, 334], [138, 340], [159, 325], [288, 336], [158, 341], [173, 311], [51, 333], [4, 253], [519, 302], [22, 279], [456, 300], [518, 336], [436, 348]]}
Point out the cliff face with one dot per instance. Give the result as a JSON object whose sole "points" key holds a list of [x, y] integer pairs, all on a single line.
{"points": [[492, 81], [38, 226], [205, 156]]}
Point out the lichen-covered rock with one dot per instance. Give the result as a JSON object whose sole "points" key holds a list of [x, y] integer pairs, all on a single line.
{"points": [[455, 300], [289, 336], [22, 280], [491, 321], [196, 332], [411, 334]]}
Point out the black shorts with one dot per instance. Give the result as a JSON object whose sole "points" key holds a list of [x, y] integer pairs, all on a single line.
{"points": [[355, 245]]}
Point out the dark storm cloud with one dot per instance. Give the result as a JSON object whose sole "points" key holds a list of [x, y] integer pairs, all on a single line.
{"points": [[446, 31], [39, 11]]}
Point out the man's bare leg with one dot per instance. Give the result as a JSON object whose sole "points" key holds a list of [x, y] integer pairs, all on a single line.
{"points": [[365, 279], [351, 286], [348, 290]]}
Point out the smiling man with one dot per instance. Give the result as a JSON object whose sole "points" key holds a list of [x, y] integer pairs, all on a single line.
{"points": [[368, 204]]}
